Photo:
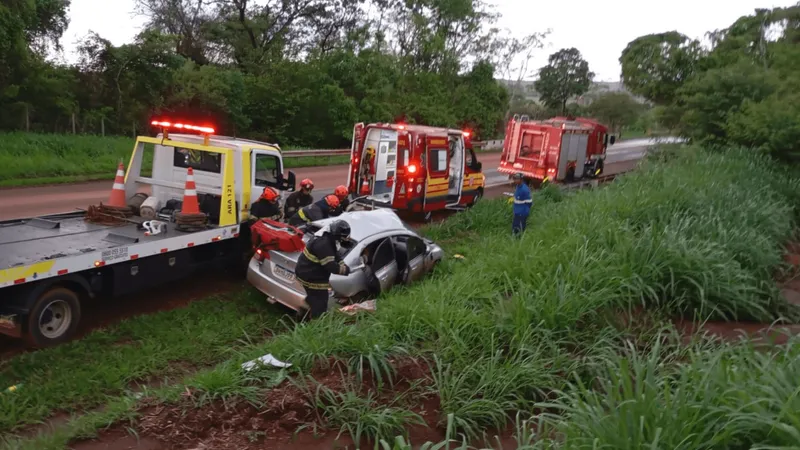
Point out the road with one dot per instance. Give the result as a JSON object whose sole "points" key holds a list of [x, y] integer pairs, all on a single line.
{"points": [[18, 203]]}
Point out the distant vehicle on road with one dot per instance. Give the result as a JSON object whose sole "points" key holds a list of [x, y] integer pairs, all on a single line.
{"points": [[561, 149], [389, 250], [48, 265], [414, 168]]}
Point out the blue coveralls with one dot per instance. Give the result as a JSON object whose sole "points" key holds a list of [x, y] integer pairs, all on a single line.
{"points": [[522, 208]]}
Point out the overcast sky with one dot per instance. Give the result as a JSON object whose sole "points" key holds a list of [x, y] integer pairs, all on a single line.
{"points": [[599, 29]]}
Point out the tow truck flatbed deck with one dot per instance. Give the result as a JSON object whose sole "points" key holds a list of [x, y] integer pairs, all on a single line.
{"points": [[28, 241]]}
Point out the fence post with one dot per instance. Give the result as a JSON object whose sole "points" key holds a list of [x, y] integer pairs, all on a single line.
{"points": [[103, 126], [73, 123]]}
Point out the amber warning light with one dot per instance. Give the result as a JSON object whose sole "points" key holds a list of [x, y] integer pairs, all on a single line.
{"points": [[182, 126]]}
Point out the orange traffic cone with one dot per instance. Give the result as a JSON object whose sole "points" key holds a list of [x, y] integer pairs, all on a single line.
{"points": [[117, 198], [190, 203], [365, 187]]}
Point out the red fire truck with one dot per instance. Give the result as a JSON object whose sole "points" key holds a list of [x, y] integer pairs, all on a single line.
{"points": [[561, 149], [414, 168]]}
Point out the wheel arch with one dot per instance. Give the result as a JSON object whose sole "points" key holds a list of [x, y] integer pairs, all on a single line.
{"points": [[76, 283]]}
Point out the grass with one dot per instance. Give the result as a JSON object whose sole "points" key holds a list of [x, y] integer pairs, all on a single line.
{"points": [[530, 328], [142, 350], [28, 159]]}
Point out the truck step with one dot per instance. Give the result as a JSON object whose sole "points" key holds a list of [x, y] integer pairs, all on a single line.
{"points": [[456, 208]]}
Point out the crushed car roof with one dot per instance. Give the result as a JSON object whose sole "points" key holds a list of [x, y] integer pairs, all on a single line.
{"points": [[364, 224]]}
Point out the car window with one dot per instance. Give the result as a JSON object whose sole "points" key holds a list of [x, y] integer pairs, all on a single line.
{"points": [[197, 160], [267, 170], [384, 254], [415, 247]]}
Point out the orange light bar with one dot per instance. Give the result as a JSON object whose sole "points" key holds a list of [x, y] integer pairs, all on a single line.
{"points": [[182, 126], [466, 133]]}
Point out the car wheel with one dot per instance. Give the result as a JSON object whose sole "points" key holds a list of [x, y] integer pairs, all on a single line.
{"points": [[54, 318]]}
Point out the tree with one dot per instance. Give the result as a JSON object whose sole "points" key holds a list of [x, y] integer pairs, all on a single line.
{"points": [[565, 76], [656, 65], [616, 110]]}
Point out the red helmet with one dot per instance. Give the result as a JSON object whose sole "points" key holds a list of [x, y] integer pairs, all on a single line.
{"points": [[269, 194], [332, 201], [341, 191], [307, 183]]}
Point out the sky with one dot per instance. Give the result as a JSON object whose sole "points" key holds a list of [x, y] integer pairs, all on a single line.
{"points": [[599, 29]]}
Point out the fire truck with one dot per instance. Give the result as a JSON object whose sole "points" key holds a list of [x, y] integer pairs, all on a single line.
{"points": [[413, 168], [561, 149], [49, 265]]}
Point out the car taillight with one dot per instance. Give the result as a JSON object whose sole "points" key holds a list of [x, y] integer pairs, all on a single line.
{"points": [[261, 255]]}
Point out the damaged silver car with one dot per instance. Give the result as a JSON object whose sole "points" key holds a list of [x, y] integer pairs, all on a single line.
{"points": [[383, 250]]}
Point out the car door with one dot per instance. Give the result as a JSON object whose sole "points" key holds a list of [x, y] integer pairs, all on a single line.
{"points": [[416, 259], [384, 265]]}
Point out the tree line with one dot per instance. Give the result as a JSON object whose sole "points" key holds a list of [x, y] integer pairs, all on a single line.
{"points": [[742, 91], [294, 72]]}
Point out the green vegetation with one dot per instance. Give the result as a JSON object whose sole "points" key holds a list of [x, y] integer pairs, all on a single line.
{"points": [[513, 327], [29, 159], [297, 74], [742, 92]]}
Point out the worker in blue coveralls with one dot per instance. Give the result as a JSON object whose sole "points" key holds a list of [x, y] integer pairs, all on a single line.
{"points": [[522, 205]]}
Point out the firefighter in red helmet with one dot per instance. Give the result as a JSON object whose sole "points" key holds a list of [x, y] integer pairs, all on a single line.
{"points": [[267, 206], [341, 192], [299, 199], [318, 210]]}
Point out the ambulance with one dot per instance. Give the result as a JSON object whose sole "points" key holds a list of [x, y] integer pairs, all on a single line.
{"points": [[413, 168]]}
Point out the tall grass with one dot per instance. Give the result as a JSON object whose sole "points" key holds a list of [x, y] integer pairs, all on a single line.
{"points": [[515, 321]]}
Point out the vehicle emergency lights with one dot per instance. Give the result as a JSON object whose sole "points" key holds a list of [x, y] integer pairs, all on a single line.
{"points": [[182, 126]]}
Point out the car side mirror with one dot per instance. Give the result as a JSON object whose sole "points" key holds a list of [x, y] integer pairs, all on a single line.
{"points": [[291, 182], [612, 140]]}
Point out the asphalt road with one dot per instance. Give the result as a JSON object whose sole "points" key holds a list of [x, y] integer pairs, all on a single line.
{"points": [[18, 203]]}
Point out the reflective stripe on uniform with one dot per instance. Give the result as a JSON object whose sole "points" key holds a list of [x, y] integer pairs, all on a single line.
{"points": [[302, 215], [316, 260], [310, 285], [522, 202], [310, 257]]}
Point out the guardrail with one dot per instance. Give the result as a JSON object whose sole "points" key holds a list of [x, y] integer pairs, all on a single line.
{"points": [[329, 153]]}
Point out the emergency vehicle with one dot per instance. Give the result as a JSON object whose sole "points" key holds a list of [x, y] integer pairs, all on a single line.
{"points": [[49, 264], [414, 168], [561, 149]]}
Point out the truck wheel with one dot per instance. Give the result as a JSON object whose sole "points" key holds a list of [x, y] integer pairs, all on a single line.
{"points": [[54, 317]]}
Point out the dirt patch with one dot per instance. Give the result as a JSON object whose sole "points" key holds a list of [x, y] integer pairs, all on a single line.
{"points": [[276, 422]]}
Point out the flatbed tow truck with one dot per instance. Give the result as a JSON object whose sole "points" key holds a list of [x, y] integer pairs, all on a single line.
{"points": [[48, 265]]}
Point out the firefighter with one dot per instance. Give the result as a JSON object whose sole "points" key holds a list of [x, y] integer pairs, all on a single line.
{"points": [[522, 205], [267, 206], [341, 192], [318, 210], [318, 262], [299, 199]]}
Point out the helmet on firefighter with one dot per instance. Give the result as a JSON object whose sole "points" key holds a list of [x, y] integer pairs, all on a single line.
{"points": [[340, 230], [342, 192], [307, 184], [269, 194], [332, 201]]}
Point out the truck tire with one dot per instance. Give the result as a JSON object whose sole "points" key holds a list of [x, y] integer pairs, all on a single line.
{"points": [[54, 318], [478, 197]]}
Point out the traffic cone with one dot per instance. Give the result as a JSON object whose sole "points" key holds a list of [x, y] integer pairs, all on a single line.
{"points": [[117, 198], [365, 187], [190, 203]]}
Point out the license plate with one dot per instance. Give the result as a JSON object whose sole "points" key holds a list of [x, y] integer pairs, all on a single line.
{"points": [[283, 273]]}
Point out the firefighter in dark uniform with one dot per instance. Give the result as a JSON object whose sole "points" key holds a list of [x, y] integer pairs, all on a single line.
{"points": [[341, 192], [318, 210], [318, 262], [299, 199], [267, 206]]}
